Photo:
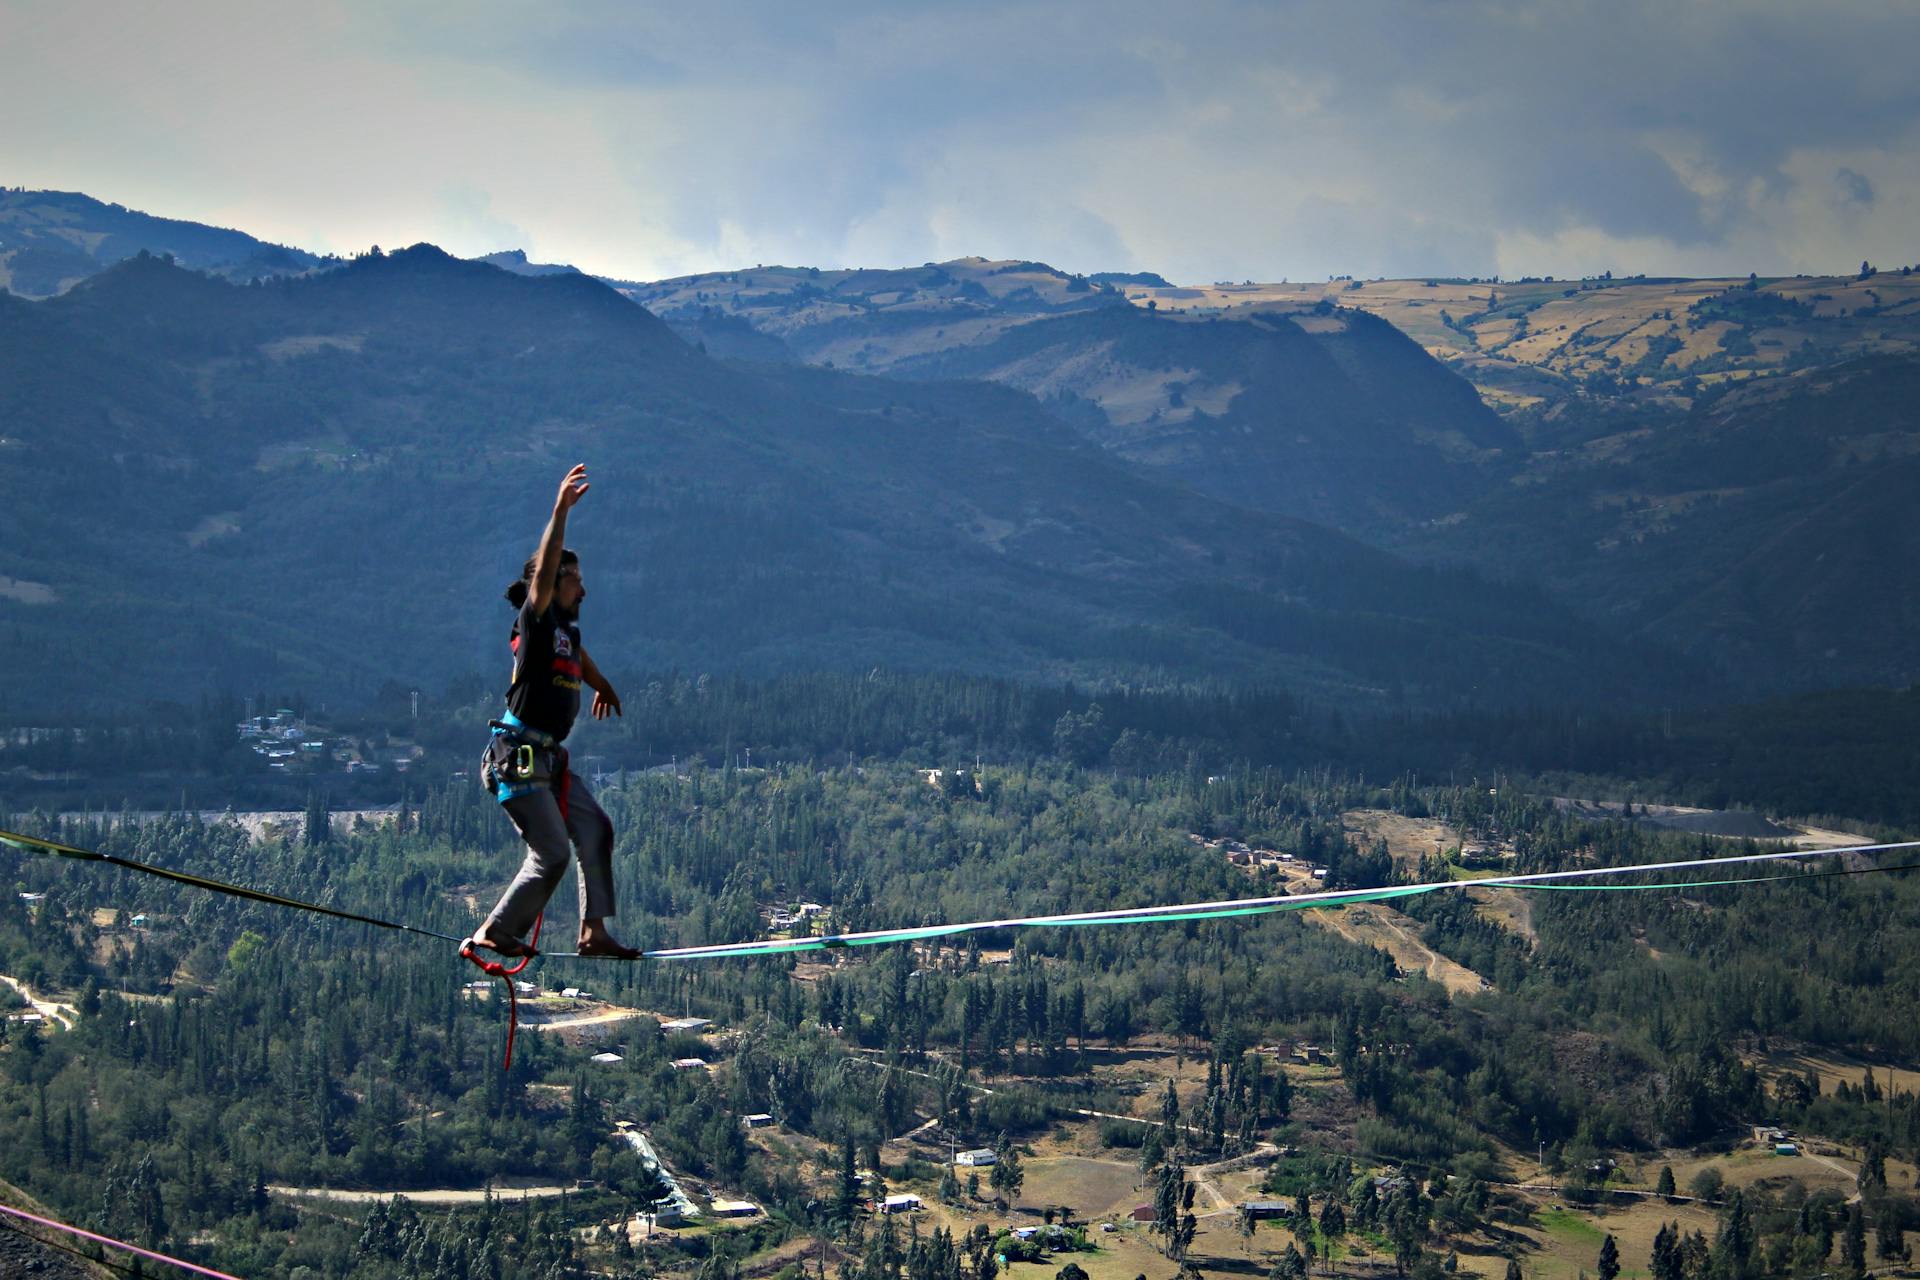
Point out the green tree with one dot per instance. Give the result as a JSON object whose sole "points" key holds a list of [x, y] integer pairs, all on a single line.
{"points": [[1873, 1164], [1665, 1262], [1608, 1265], [1890, 1237], [1007, 1175], [1706, 1184], [846, 1205], [1665, 1187], [1853, 1243]]}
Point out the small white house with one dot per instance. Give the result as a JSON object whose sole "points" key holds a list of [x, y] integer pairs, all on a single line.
{"points": [[904, 1203], [734, 1209], [687, 1024], [758, 1120], [608, 1057], [688, 1064], [980, 1157]]}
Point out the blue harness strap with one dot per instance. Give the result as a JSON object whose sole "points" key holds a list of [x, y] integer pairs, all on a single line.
{"points": [[526, 743]]}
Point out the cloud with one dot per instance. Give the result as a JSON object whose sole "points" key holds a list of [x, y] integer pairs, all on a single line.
{"points": [[472, 227], [1218, 139], [1853, 188]]}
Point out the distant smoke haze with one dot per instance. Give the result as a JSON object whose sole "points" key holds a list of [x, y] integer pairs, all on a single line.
{"points": [[1211, 140]]}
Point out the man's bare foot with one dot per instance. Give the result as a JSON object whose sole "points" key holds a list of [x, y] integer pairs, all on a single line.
{"points": [[598, 942], [505, 946]]}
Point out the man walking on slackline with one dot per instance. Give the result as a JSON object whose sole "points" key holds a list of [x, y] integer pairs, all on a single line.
{"points": [[526, 766]]}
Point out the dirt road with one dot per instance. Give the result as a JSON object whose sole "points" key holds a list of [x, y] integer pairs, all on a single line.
{"points": [[587, 1020], [64, 1014], [431, 1196], [1377, 925]]}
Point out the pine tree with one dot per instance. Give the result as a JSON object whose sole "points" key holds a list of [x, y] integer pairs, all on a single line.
{"points": [[1665, 1262], [846, 1208], [1666, 1187], [1166, 1202], [1007, 1175], [1608, 1265], [1853, 1243], [1890, 1237]]}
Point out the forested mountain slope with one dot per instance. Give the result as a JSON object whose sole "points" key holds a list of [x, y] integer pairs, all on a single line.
{"points": [[323, 482], [1770, 526], [1328, 415], [221, 1048], [52, 240]]}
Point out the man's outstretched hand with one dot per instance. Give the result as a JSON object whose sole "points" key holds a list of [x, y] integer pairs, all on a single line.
{"points": [[605, 703], [572, 489]]}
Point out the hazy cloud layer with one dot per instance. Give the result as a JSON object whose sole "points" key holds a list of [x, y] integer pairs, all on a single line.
{"points": [[1208, 140]]}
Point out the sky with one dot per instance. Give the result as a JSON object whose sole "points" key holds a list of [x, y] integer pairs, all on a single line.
{"points": [[1205, 140]]}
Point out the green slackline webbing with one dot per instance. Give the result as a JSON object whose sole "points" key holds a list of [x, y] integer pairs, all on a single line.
{"points": [[1254, 906], [1139, 915]]}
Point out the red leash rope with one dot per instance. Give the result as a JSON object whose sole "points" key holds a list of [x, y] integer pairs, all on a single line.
{"points": [[494, 969]]}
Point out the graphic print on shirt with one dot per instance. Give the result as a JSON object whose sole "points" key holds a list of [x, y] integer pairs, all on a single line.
{"points": [[546, 676], [566, 670]]}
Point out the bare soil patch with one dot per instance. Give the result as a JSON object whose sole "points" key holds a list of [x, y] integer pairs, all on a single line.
{"points": [[1375, 924], [1511, 909], [1408, 839]]}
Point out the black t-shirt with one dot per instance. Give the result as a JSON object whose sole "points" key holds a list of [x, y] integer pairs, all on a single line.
{"points": [[546, 671]]}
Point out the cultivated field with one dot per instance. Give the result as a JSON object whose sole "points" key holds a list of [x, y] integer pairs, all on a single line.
{"points": [[1523, 341]]}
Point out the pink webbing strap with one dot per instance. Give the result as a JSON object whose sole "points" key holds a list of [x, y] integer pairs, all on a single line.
{"points": [[194, 1267]]}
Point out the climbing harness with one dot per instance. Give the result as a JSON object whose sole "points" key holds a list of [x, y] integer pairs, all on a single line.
{"points": [[521, 759]]}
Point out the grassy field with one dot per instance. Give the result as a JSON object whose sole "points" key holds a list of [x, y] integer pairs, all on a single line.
{"points": [[1095, 1189]]}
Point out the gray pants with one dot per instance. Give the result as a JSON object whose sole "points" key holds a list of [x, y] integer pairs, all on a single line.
{"points": [[585, 830]]}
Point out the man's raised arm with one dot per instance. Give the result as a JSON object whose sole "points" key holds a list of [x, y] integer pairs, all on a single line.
{"points": [[546, 561]]}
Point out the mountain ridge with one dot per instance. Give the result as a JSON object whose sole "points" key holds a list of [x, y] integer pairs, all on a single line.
{"points": [[417, 404]]}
